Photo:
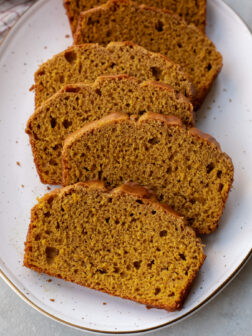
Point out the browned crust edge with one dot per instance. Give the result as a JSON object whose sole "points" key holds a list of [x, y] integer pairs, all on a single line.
{"points": [[191, 94], [201, 94], [36, 162], [36, 86], [116, 117], [67, 6], [203, 27], [111, 3], [160, 85], [96, 83], [169, 121], [177, 306], [136, 191]]}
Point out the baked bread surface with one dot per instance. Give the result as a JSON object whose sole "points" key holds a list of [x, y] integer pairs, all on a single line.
{"points": [[84, 63], [121, 242], [185, 168], [76, 104], [192, 11], [158, 31]]}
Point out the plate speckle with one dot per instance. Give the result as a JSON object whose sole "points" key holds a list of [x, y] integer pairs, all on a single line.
{"points": [[226, 114]]}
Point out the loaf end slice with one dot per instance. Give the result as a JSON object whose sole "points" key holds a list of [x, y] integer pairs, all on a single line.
{"points": [[185, 168], [156, 30], [121, 242], [84, 63]]}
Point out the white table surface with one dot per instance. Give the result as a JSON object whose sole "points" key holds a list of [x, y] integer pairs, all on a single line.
{"points": [[230, 313]]}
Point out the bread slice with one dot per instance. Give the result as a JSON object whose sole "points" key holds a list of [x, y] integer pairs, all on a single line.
{"points": [[75, 105], [185, 168], [192, 11], [158, 31], [121, 242], [87, 62]]}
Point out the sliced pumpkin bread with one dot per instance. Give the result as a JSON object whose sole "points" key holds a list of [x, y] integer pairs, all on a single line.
{"points": [[75, 105], [122, 242], [158, 31], [84, 63], [185, 168], [192, 11]]}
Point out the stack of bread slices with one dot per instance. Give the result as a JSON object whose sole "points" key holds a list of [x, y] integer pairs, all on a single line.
{"points": [[114, 124]]}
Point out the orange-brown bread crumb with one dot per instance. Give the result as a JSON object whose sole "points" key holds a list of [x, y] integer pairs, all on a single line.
{"points": [[192, 11], [185, 169], [158, 31], [121, 242], [76, 104], [84, 63]]}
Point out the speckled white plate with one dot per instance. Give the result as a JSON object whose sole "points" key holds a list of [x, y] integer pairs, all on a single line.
{"points": [[227, 114]]}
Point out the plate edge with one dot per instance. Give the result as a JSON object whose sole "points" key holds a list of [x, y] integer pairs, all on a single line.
{"points": [[159, 327]]}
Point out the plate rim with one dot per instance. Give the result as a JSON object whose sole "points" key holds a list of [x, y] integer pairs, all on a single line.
{"points": [[131, 332], [107, 332]]}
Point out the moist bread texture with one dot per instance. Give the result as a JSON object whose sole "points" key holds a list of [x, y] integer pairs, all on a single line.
{"points": [[158, 31], [185, 168], [192, 11], [75, 105], [121, 242], [84, 63]]}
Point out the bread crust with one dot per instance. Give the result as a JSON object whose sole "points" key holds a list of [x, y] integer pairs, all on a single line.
{"points": [[76, 86], [119, 116], [177, 306], [111, 4], [41, 113], [191, 92], [148, 83], [170, 121], [70, 14], [136, 191]]}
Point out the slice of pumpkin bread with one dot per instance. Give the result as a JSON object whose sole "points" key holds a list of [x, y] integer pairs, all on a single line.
{"points": [[75, 105], [158, 31], [192, 11], [122, 242], [87, 62], [185, 168]]}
